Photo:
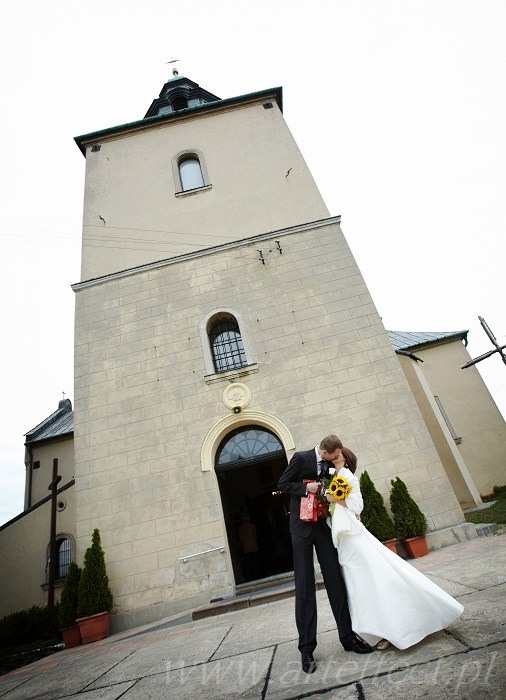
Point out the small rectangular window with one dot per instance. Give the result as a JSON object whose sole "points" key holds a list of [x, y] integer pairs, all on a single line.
{"points": [[36, 465]]}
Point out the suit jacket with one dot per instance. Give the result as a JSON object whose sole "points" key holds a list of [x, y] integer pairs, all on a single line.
{"points": [[303, 465]]}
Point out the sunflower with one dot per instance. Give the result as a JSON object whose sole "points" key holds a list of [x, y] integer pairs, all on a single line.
{"points": [[339, 488]]}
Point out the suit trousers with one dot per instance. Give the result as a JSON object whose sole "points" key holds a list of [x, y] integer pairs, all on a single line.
{"points": [[305, 588]]}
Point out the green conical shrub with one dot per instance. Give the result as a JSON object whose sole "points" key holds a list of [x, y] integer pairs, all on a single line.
{"points": [[94, 593], [375, 516], [409, 521], [67, 608]]}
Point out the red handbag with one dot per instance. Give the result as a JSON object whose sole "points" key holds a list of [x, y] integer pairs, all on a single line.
{"points": [[311, 508]]}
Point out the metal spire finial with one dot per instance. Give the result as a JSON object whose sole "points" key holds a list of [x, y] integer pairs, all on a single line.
{"points": [[175, 71]]}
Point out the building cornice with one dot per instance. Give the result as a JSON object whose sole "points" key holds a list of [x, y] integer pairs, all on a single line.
{"points": [[300, 228]]}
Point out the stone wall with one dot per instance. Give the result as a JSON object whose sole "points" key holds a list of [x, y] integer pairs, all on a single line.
{"points": [[321, 362]]}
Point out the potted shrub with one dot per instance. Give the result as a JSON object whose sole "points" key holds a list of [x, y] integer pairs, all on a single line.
{"points": [[375, 516], [95, 597], [67, 607], [409, 521]]}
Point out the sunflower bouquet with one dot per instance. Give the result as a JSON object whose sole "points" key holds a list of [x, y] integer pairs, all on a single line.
{"points": [[337, 486]]}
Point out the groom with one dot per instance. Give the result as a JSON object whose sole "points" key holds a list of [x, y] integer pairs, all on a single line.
{"points": [[313, 464]]}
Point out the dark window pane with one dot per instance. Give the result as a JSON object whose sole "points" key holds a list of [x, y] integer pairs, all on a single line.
{"points": [[63, 556], [247, 443], [226, 345]]}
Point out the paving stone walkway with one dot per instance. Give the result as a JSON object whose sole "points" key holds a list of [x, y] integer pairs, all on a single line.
{"points": [[251, 653]]}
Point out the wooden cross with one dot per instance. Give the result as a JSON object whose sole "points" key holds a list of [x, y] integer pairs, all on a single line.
{"points": [[53, 487], [498, 348]]}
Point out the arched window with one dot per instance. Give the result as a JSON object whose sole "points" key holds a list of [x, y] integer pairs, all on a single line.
{"points": [[247, 444], [226, 344], [180, 102], [190, 173], [63, 556]]}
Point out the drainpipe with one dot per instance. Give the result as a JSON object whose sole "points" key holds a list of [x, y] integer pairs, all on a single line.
{"points": [[28, 498], [409, 354]]}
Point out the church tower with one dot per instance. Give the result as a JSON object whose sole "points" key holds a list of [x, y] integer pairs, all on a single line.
{"points": [[195, 173], [221, 323]]}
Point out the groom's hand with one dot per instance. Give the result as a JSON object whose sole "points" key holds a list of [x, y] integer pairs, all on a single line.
{"points": [[312, 487]]}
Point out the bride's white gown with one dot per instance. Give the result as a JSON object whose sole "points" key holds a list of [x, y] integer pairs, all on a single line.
{"points": [[388, 598]]}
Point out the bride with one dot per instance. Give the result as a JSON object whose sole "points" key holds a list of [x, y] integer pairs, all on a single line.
{"points": [[388, 598]]}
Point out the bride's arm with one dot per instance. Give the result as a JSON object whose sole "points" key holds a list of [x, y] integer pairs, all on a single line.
{"points": [[354, 501]]}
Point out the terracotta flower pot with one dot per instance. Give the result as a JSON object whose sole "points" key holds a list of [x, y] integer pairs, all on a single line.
{"points": [[416, 546], [391, 544], [71, 636], [94, 627]]}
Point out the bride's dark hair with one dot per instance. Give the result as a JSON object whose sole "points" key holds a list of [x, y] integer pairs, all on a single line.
{"points": [[351, 459]]}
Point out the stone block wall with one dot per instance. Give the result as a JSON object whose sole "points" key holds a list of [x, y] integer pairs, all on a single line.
{"points": [[143, 407]]}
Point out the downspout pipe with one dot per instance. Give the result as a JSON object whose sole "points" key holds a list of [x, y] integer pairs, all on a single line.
{"points": [[29, 466], [409, 354]]}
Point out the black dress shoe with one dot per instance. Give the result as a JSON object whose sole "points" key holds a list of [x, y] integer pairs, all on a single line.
{"points": [[308, 662], [358, 646]]}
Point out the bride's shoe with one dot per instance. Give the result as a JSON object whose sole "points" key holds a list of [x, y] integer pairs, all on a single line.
{"points": [[383, 644]]}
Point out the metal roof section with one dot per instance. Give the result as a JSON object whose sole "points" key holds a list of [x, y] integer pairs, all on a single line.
{"points": [[179, 93], [406, 340], [58, 424]]}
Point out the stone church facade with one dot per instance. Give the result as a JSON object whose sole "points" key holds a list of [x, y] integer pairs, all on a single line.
{"points": [[221, 323]]}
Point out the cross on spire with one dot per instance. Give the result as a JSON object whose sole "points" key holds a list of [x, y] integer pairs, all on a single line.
{"points": [[498, 348], [175, 71]]}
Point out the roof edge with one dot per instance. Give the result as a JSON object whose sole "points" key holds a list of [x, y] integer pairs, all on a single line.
{"points": [[40, 503], [64, 407], [141, 124], [440, 338]]}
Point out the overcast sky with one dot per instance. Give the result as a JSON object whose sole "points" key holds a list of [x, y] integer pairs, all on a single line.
{"points": [[398, 106]]}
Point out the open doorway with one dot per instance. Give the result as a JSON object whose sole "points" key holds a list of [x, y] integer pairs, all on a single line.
{"points": [[249, 462]]}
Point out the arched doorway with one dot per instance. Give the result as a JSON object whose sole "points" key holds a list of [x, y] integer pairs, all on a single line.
{"points": [[248, 464]]}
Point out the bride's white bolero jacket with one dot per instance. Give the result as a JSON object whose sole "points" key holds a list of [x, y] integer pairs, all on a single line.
{"points": [[344, 519]]}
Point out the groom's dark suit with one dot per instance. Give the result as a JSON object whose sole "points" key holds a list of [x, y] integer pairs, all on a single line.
{"points": [[305, 535]]}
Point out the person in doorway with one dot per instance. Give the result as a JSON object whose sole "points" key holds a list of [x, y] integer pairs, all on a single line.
{"points": [[247, 533], [390, 601], [309, 536]]}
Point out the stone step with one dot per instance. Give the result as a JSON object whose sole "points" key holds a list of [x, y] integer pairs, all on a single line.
{"points": [[486, 529]]}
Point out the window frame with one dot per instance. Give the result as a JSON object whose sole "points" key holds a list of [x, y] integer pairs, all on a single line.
{"points": [[226, 344], [190, 154], [249, 457], [60, 538], [204, 328]]}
